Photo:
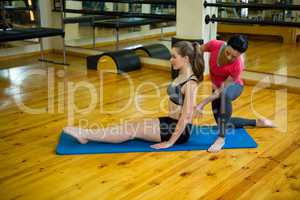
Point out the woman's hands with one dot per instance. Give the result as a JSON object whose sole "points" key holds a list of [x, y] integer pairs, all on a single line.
{"points": [[162, 145], [199, 110]]}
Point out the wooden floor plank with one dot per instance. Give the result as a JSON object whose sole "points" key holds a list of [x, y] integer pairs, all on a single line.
{"points": [[285, 186]]}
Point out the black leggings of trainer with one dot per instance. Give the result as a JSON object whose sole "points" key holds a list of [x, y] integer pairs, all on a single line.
{"points": [[222, 109]]}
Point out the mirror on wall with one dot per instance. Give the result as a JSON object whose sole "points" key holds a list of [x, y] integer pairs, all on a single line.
{"points": [[278, 45], [18, 14]]}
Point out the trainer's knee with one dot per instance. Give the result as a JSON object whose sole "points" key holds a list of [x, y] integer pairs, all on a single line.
{"points": [[232, 91], [228, 95]]}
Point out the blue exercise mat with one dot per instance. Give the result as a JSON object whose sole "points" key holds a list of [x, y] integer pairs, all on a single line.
{"points": [[201, 138]]}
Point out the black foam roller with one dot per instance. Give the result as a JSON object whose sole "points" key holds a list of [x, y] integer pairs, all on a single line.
{"points": [[126, 60], [156, 51]]}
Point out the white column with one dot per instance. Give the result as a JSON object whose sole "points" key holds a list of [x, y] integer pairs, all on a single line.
{"points": [[72, 30], [50, 19], [109, 6], [190, 20], [146, 8]]}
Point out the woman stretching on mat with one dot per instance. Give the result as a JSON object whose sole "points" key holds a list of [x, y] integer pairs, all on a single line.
{"points": [[166, 131], [226, 66]]}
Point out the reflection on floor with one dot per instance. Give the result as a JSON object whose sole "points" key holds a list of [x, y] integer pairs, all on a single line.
{"points": [[273, 57]]}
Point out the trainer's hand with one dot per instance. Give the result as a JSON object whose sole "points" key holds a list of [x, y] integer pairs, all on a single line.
{"points": [[162, 145], [199, 111]]}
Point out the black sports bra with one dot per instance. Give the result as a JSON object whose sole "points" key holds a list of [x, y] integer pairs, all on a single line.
{"points": [[174, 92]]}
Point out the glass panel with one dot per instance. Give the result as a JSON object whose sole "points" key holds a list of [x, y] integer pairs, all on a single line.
{"points": [[280, 41]]}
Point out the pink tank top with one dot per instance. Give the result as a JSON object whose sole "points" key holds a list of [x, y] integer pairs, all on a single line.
{"points": [[219, 74]]}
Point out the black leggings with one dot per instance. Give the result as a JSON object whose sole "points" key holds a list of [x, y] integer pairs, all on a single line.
{"points": [[167, 127], [222, 109]]}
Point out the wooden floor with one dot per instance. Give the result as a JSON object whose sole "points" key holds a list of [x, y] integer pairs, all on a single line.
{"points": [[30, 169], [273, 57]]}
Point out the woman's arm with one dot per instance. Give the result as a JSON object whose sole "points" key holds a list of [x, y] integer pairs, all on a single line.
{"points": [[185, 117], [216, 94], [209, 99], [204, 48], [209, 46]]}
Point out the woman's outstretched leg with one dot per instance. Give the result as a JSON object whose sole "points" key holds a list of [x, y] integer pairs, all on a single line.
{"points": [[237, 122], [147, 129]]}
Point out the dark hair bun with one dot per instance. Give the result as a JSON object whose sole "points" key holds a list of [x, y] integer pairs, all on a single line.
{"points": [[239, 43]]}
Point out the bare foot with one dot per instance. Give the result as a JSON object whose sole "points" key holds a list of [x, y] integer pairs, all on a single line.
{"points": [[217, 146], [76, 133], [265, 123]]}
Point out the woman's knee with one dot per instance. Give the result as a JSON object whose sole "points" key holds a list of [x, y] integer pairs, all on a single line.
{"points": [[232, 92]]}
